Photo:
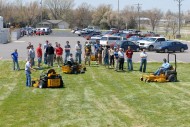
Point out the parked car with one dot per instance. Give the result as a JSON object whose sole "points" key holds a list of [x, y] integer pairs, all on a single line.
{"points": [[108, 39], [124, 44], [94, 38], [135, 38], [148, 43], [40, 32], [170, 46]]}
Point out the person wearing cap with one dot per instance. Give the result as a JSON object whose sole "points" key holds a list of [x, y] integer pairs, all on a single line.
{"points": [[165, 66], [39, 54], [78, 52], [67, 51]]}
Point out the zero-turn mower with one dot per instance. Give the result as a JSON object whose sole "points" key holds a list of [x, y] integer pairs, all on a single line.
{"points": [[49, 80], [169, 75]]}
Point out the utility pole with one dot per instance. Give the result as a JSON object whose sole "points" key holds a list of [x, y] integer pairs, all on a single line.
{"points": [[118, 15], [179, 17], [41, 11], [139, 20]]}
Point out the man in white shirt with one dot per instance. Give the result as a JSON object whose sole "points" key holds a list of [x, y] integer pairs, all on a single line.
{"points": [[143, 56], [78, 52], [28, 69], [121, 58]]}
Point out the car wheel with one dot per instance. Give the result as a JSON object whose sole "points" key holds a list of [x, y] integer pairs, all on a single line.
{"points": [[165, 50], [151, 48], [182, 50]]}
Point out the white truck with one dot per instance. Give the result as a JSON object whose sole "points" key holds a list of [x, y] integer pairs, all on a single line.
{"points": [[149, 42]]}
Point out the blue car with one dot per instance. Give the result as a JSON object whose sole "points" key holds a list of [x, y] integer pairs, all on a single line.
{"points": [[170, 46], [124, 44]]}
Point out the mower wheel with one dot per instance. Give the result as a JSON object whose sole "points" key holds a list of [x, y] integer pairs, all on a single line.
{"points": [[62, 84], [42, 84], [172, 78]]}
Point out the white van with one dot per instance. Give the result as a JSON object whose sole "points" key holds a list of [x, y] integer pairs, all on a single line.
{"points": [[109, 39]]}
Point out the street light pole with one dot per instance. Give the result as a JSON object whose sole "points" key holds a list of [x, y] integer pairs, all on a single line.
{"points": [[139, 21], [41, 11], [179, 16], [118, 15]]}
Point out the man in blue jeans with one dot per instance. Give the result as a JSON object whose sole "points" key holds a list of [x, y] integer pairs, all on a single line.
{"points": [[28, 69], [67, 51], [78, 48], [165, 66], [15, 60], [129, 54], [143, 56]]}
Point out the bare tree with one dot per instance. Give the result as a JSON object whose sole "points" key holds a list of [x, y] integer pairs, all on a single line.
{"points": [[110, 18], [99, 13], [31, 11], [59, 9], [83, 15], [171, 23], [154, 15], [130, 15]]}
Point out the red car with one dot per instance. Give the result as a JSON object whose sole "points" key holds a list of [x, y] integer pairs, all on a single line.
{"points": [[40, 32]]}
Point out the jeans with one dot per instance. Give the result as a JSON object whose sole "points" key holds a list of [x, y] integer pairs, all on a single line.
{"points": [[143, 65], [45, 58], [66, 56], [16, 65], [160, 70], [112, 60], [78, 57], [106, 60], [129, 64], [50, 59], [28, 78], [121, 62]]}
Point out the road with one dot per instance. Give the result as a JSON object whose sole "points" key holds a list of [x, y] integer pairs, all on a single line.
{"points": [[63, 36]]}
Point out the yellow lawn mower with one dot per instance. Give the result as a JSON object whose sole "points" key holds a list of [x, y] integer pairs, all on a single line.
{"points": [[169, 75], [49, 80]]}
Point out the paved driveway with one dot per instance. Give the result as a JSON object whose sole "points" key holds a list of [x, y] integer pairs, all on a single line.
{"points": [[61, 37]]}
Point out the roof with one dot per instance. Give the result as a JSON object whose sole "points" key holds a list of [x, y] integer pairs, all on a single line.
{"points": [[54, 21]]}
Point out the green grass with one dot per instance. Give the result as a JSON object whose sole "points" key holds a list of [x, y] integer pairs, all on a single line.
{"points": [[101, 97]]}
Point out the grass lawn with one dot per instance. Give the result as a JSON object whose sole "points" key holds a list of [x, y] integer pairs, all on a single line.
{"points": [[99, 98]]}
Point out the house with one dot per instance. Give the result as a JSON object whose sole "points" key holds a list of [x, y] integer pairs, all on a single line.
{"points": [[60, 24]]}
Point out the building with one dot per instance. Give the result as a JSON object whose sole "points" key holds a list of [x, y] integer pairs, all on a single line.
{"points": [[60, 24]]}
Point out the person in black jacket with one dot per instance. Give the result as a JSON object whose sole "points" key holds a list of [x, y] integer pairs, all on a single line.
{"points": [[50, 55]]}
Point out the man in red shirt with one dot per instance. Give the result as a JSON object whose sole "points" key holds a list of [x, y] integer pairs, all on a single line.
{"points": [[59, 53], [39, 54], [129, 54]]}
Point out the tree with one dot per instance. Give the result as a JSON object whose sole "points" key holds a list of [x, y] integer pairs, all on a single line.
{"points": [[98, 15], [83, 15], [154, 15], [171, 22], [130, 15], [59, 9]]}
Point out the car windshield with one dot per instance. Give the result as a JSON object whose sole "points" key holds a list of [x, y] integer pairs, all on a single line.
{"points": [[104, 38], [151, 39]]}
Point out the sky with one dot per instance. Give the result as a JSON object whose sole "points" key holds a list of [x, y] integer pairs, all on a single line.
{"points": [[164, 5]]}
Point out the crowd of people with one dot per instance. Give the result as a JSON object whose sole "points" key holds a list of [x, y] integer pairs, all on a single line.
{"points": [[110, 57]]}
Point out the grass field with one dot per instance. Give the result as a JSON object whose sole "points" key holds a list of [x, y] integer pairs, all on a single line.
{"points": [[99, 98]]}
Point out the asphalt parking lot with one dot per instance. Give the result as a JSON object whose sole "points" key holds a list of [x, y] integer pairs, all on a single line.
{"points": [[63, 36]]}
